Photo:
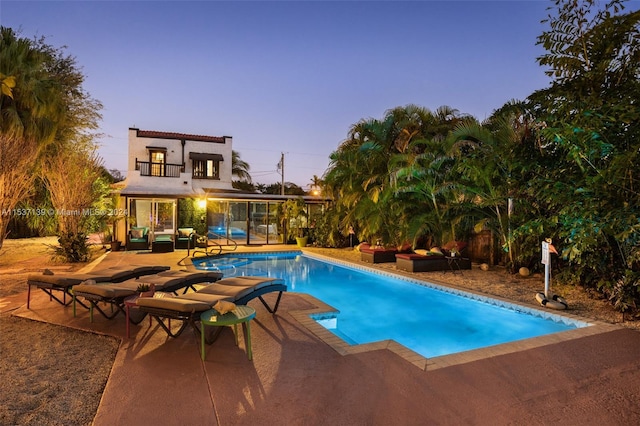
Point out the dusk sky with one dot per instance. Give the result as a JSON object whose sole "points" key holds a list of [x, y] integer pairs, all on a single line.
{"points": [[286, 77]]}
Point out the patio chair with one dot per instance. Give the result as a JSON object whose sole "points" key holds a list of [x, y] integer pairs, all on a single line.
{"points": [[186, 238], [188, 307], [138, 238], [50, 282], [115, 294]]}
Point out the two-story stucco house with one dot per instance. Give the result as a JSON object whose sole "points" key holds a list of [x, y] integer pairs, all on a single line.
{"points": [[178, 180], [187, 164]]}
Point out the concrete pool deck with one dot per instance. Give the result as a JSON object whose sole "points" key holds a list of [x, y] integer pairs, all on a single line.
{"points": [[297, 376]]}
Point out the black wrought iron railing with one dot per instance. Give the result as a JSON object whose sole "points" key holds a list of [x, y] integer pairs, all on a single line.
{"points": [[148, 168]]}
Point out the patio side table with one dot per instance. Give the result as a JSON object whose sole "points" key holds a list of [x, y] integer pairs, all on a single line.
{"points": [[240, 315], [454, 264]]}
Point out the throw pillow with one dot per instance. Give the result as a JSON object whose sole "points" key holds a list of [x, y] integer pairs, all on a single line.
{"points": [[136, 233], [222, 306], [435, 251], [184, 232], [364, 246]]}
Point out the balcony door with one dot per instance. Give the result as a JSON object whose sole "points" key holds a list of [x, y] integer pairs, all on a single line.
{"points": [[157, 160]]}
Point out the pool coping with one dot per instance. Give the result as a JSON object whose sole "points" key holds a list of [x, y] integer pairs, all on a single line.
{"points": [[304, 317], [587, 327]]}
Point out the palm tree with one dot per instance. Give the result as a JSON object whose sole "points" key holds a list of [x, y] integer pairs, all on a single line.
{"points": [[240, 168], [421, 172], [45, 113], [26, 113], [316, 184], [365, 171], [489, 161]]}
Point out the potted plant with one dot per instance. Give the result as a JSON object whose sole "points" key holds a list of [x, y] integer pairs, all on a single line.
{"points": [[145, 290], [294, 216]]}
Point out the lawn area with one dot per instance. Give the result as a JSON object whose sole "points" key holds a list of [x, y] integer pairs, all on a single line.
{"points": [[24, 256]]}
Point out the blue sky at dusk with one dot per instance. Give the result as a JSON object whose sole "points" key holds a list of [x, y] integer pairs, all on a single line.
{"points": [[286, 77]]}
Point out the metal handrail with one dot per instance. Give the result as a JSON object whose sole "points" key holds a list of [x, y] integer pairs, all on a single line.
{"points": [[148, 168], [233, 243]]}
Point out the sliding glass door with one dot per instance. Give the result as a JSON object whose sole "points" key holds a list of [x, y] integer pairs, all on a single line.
{"points": [[159, 215]]}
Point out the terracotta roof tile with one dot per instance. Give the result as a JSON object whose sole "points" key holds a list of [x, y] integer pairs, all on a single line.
{"points": [[179, 136]]}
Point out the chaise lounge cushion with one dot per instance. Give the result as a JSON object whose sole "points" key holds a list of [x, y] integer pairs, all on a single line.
{"points": [[49, 282], [106, 291], [227, 289], [112, 274], [175, 304], [233, 291]]}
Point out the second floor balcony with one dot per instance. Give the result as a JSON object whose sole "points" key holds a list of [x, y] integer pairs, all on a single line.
{"points": [[148, 168]]}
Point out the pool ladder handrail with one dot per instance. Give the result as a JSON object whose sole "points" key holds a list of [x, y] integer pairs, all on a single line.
{"points": [[214, 248], [231, 243]]}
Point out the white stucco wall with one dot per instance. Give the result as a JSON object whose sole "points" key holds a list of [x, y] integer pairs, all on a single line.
{"points": [[185, 184]]}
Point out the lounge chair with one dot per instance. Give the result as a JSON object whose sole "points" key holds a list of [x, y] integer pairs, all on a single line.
{"points": [[188, 307], [50, 282], [115, 294]]}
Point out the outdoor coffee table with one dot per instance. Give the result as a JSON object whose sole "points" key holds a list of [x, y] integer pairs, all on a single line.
{"points": [[240, 315]]}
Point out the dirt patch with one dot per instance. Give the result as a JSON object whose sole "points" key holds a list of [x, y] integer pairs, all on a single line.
{"points": [[20, 258], [51, 375]]}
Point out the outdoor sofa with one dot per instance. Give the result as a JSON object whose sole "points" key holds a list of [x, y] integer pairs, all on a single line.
{"points": [[375, 254], [412, 262], [446, 258]]}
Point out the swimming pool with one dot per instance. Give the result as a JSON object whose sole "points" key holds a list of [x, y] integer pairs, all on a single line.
{"points": [[428, 319]]}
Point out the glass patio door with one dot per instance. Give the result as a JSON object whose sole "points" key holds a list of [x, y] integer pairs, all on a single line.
{"points": [[158, 215]]}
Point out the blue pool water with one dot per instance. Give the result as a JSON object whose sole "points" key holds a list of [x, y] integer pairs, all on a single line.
{"points": [[374, 307]]}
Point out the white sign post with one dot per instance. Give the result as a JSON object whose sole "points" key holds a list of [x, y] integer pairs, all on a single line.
{"points": [[546, 261]]}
